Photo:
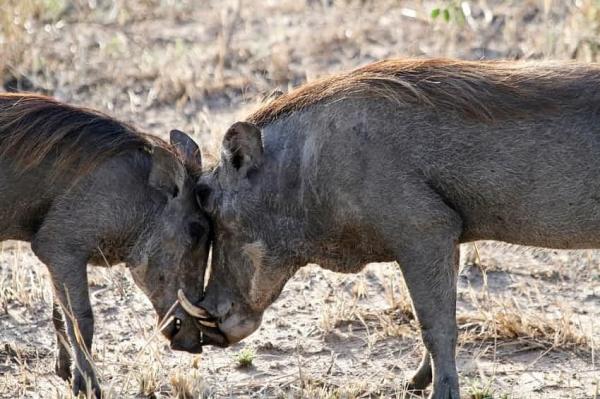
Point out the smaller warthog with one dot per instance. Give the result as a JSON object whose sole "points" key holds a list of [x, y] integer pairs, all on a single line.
{"points": [[402, 160], [84, 188]]}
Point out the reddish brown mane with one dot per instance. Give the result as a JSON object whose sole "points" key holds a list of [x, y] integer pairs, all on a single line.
{"points": [[483, 90], [32, 127]]}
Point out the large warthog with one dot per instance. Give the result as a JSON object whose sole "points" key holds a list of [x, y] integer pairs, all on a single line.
{"points": [[86, 189], [403, 160]]}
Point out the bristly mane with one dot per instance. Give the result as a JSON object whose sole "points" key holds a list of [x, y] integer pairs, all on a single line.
{"points": [[34, 127], [480, 90]]}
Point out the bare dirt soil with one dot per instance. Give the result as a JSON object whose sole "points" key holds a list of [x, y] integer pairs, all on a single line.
{"points": [[529, 319]]}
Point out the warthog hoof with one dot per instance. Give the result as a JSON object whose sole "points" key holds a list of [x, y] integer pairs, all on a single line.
{"points": [[420, 381], [415, 388], [445, 388], [62, 367], [80, 385]]}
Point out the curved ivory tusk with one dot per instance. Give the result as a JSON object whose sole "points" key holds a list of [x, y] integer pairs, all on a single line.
{"points": [[191, 309], [206, 323]]}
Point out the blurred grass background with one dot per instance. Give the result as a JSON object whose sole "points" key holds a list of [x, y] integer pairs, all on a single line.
{"points": [[160, 63]]}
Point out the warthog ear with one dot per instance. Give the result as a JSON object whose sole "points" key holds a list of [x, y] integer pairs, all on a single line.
{"points": [[187, 149], [167, 173], [243, 147]]}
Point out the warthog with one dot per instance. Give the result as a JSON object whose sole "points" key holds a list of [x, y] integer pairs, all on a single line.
{"points": [[402, 160], [86, 189]]}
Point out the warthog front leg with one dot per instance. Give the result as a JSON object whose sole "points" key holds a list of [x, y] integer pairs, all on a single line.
{"points": [[74, 300], [68, 271], [424, 234], [430, 275], [63, 358]]}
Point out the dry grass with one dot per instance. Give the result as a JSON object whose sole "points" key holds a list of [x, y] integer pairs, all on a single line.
{"points": [[25, 286], [189, 386], [337, 313], [505, 319], [148, 381], [322, 390]]}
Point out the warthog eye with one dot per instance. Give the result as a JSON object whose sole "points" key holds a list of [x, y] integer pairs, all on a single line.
{"points": [[196, 231]]}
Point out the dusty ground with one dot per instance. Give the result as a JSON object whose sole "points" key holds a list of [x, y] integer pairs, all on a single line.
{"points": [[529, 319]]}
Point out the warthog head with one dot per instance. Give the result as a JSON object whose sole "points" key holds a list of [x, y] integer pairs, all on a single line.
{"points": [[172, 251], [246, 272]]}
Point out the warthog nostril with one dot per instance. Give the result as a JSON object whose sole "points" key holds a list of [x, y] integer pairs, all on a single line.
{"points": [[171, 329]]}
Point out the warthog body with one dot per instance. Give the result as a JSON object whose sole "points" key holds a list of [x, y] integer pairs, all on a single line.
{"points": [[86, 189], [403, 160]]}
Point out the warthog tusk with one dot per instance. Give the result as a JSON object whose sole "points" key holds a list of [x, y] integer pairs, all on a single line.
{"points": [[191, 309], [206, 323]]}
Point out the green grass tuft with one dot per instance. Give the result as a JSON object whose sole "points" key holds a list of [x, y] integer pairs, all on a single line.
{"points": [[245, 357]]}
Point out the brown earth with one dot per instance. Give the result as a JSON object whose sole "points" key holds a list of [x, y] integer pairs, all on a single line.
{"points": [[528, 318]]}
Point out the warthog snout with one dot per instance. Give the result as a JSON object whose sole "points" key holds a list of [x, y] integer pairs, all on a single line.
{"points": [[223, 327], [180, 328], [208, 324], [184, 334]]}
